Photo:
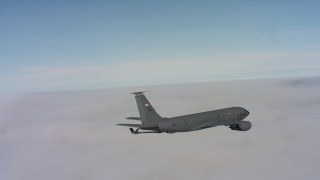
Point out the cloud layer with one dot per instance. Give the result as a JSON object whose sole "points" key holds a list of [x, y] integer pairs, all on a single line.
{"points": [[72, 135]]}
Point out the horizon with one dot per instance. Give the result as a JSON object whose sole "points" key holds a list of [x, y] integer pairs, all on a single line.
{"points": [[104, 44]]}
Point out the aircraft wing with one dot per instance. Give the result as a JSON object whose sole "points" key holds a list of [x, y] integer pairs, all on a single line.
{"points": [[133, 118], [206, 125], [130, 125]]}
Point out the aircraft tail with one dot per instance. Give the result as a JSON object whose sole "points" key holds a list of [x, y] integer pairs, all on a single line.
{"points": [[147, 112]]}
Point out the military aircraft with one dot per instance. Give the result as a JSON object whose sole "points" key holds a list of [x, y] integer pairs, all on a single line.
{"points": [[151, 122]]}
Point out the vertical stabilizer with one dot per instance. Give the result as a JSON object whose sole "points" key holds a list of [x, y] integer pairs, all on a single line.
{"points": [[147, 112]]}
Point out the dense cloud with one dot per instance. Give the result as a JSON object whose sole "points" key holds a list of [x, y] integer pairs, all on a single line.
{"points": [[304, 82], [72, 135]]}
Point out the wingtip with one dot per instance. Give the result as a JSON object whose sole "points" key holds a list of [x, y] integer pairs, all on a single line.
{"points": [[139, 93], [133, 118]]}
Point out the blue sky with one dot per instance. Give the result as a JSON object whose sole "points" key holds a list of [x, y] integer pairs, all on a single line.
{"points": [[62, 45]]}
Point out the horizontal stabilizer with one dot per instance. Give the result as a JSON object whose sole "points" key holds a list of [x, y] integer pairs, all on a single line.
{"points": [[133, 118], [138, 132], [129, 125]]}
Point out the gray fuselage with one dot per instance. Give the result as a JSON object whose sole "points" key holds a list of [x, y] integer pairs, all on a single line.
{"points": [[192, 122]]}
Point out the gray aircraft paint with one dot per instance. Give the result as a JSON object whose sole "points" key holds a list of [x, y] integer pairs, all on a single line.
{"points": [[146, 111], [151, 120]]}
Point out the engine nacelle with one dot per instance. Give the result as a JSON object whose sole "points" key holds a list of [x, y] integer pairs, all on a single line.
{"points": [[241, 126]]}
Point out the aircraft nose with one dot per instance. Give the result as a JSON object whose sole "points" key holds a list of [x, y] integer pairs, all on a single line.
{"points": [[247, 112]]}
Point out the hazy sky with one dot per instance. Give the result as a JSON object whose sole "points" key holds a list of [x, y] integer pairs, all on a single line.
{"points": [[59, 45]]}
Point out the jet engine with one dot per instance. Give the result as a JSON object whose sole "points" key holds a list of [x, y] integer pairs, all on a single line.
{"points": [[241, 126]]}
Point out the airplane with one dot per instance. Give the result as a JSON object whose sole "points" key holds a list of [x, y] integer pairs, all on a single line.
{"points": [[152, 122]]}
